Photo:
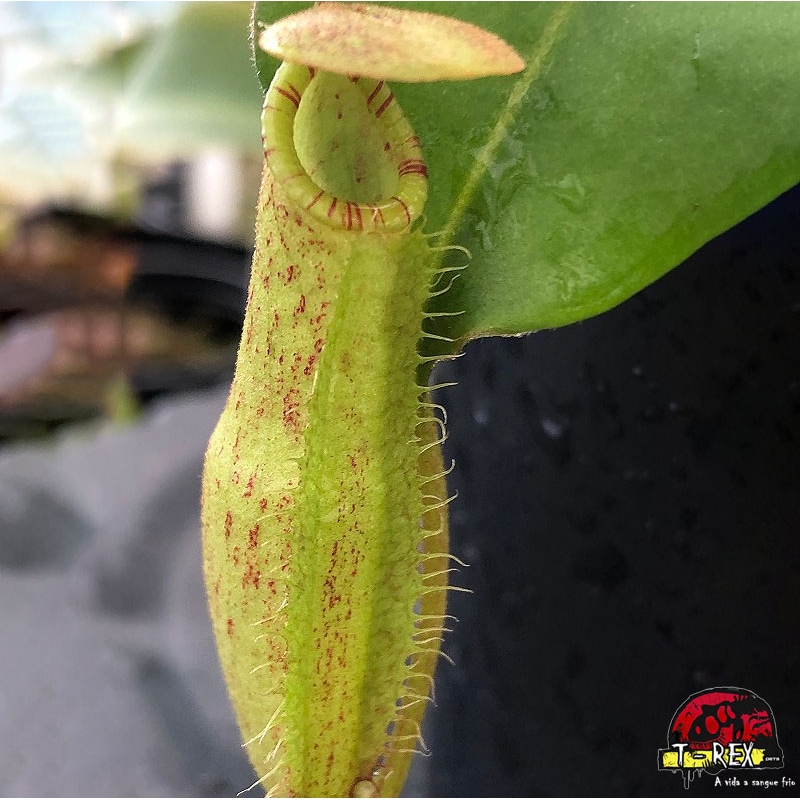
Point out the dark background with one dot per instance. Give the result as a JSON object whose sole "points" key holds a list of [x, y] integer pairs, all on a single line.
{"points": [[628, 503]]}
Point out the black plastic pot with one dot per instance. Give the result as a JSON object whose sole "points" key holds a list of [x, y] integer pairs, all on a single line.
{"points": [[628, 500]]}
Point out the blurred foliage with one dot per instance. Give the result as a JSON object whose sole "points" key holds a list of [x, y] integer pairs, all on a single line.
{"points": [[88, 87], [109, 108]]}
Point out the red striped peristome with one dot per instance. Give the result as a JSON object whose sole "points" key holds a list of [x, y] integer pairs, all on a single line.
{"points": [[391, 214]]}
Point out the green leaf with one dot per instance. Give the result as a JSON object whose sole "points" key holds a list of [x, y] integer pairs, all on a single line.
{"points": [[637, 133], [193, 86]]}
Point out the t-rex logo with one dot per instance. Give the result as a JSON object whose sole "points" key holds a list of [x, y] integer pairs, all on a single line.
{"points": [[722, 728]]}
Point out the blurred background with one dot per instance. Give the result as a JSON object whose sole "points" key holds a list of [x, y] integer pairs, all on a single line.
{"points": [[627, 486], [130, 157], [130, 152]]}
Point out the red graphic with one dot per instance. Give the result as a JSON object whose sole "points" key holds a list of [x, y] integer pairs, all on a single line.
{"points": [[722, 728], [722, 716]]}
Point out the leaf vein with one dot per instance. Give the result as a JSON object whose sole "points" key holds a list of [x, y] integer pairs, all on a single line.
{"points": [[536, 66]]}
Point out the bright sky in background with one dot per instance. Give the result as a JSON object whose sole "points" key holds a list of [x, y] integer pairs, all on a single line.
{"points": [[43, 130]]}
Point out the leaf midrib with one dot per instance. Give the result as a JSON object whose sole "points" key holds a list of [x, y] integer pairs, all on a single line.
{"points": [[537, 65]]}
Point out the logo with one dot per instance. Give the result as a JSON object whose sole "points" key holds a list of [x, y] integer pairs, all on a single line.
{"points": [[721, 729]]}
